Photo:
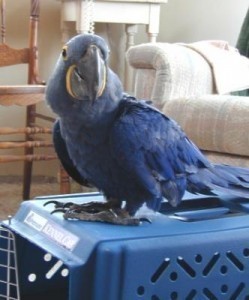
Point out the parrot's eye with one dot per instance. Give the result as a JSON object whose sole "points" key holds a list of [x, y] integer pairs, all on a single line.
{"points": [[64, 52]]}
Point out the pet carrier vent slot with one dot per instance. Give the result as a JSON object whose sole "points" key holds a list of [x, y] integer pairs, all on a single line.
{"points": [[235, 261], [246, 252], [209, 294], [186, 267], [191, 295], [208, 268], [223, 270], [238, 291], [54, 269], [173, 296], [140, 290], [224, 289], [154, 297], [160, 270], [173, 276], [198, 258], [32, 277]]}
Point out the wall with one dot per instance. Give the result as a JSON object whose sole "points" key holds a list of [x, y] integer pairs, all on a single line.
{"points": [[193, 20], [181, 21]]}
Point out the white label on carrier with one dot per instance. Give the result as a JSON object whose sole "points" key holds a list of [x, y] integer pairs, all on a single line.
{"points": [[35, 221], [60, 235], [51, 230]]}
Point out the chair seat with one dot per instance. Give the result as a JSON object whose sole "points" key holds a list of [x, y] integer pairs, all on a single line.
{"points": [[22, 95]]}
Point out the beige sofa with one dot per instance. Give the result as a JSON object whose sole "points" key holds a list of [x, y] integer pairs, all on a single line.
{"points": [[180, 83]]}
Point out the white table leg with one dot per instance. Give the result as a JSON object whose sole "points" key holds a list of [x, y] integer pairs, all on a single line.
{"points": [[152, 37], [131, 31], [153, 26], [83, 17], [67, 32]]}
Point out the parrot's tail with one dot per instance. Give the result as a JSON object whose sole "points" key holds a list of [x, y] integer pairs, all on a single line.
{"points": [[220, 178]]}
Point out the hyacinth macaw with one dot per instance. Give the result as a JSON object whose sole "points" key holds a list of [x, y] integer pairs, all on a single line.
{"points": [[127, 149]]}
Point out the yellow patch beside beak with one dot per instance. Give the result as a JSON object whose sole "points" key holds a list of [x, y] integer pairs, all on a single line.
{"points": [[89, 84], [102, 88], [68, 80]]}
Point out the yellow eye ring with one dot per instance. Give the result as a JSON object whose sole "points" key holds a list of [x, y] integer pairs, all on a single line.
{"points": [[64, 52]]}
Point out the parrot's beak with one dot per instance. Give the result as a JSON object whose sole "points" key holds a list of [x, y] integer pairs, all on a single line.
{"points": [[87, 78]]}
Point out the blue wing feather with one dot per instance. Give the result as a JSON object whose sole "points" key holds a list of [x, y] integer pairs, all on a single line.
{"points": [[154, 148]]}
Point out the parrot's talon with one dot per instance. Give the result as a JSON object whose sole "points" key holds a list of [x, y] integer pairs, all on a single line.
{"points": [[57, 210], [145, 219], [67, 204], [51, 202], [57, 204], [113, 212]]}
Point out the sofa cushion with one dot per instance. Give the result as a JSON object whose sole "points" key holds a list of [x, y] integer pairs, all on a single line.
{"points": [[215, 123], [166, 71]]}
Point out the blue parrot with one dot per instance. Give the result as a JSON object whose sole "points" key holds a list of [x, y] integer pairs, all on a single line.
{"points": [[125, 147]]}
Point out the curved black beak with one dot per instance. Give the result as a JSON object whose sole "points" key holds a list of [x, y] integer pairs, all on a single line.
{"points": [[86, 80]]}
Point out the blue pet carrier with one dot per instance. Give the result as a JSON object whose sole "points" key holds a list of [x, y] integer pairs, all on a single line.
{"points": [[199, 251]]}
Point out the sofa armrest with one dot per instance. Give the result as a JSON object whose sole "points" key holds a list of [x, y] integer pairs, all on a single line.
{"points": [[216, 123], [167, 71]]}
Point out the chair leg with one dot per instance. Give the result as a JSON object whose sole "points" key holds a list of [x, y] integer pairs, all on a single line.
{"points": [[65, 187], [27, 174], [64, 179], [27, 170]]}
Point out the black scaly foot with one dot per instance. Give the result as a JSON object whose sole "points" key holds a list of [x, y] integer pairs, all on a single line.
{"points": [[96, 212]]}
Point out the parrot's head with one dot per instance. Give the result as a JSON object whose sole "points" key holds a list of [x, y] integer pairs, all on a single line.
{"points": [[82, 76], [85, 61]]}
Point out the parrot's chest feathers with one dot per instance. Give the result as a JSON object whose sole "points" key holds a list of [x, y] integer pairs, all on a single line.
{"points": [[91, 155]]}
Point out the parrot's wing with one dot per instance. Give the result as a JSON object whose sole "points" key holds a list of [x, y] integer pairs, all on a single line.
{"points": [[155, 151], [63, 155]]}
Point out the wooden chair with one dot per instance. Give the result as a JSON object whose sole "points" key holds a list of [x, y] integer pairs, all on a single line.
{"points": [[27, 97]]}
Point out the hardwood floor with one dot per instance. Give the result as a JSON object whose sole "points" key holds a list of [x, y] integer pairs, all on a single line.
{"points": [[11, 191]]}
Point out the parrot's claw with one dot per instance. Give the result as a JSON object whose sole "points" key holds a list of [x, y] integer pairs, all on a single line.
{"points": [[96, 212], [57, 204], [113, 216], [62, 210], [66, 205], [145, 219]]}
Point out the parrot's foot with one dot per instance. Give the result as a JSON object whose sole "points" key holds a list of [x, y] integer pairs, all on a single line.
{"points": [[96, 212], [113, 216], [90, 207]]}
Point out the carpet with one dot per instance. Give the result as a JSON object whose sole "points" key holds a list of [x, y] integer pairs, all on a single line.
{"points": [[11, 192]]}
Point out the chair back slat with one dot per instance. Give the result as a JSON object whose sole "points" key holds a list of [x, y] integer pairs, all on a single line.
{"points": [[35, 8], [33, 42], [3, 21], [10, 56]]}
